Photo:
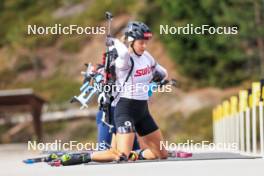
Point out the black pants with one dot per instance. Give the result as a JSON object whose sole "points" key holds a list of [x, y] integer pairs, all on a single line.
{"points": [[133, 116], [103, 133]]}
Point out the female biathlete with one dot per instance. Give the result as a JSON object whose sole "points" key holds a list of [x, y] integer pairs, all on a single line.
{"points": [[131, 114]]}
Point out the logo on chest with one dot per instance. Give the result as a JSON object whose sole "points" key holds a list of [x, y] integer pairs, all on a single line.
{"points": [[143, 71]]}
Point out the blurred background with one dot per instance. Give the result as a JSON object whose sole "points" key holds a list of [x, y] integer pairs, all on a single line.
{"points": [[43, 71]]}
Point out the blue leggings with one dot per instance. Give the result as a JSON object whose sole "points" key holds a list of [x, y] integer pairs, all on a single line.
{"points": [[103, 133]]}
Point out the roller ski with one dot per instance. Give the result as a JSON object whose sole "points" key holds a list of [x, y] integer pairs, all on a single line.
{"points": [[50, 157], [81, 158], [137, 155], [71, 159]]}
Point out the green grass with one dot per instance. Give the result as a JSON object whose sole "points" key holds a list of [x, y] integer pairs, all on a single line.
{"points": [[73, 44], [24, 63], [197, 127], [7, 76], [87, 131], [57, 89], [51, 128], [16, 16], [91, 17], [3, 128], [82, 130], [13, 35]]}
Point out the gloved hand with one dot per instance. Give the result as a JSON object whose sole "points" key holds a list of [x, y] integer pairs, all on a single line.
{"points": [[157, 77]]}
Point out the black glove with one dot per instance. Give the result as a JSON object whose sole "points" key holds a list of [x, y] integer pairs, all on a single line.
{"points": [[157, 77]]}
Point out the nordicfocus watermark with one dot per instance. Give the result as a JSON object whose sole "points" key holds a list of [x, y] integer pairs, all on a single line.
{"points": [[204, 145], [130, 88], [58, 29], [190, 29], [58, 145]]}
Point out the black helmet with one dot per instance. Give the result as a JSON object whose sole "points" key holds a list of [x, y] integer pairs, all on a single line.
{"points": [[138, 30]]}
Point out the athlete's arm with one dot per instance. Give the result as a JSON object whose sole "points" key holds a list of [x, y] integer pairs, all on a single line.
{"points": [[157, 67], [122, 61], [162, 71]]}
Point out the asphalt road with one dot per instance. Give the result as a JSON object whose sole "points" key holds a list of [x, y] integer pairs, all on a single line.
{"points": [[11, 157]]}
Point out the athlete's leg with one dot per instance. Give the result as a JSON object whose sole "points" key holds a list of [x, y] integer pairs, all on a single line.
{"points": [[154, 148], [142, 144], [125, 142], [113, 142], [136, 145], [152, 137], [106, 156]]}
